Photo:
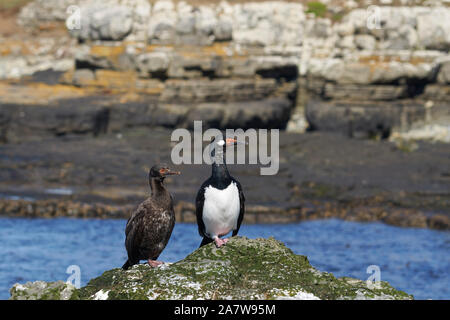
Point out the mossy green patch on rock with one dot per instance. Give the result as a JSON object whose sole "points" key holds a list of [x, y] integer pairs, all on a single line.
{"points": [[243, 269]]}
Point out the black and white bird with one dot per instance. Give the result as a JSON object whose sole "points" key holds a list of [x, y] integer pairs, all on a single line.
{"points": [[150, 226], [220, 201]]}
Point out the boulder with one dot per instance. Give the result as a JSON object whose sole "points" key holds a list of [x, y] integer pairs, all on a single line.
{"points": [[205, 21], [243, 269], [432, 29], [318, 28], [271, 113], [17, 66], [363, 118], [103, 22], [444, 72], [71, 116], [350, 72], [141, 17], [344, 29], [404, 38], [223, 30], [161, 27], [152, 62], [379, 21], [370, 71], [38, 12], [186, 19], [346, 42], [428, 132], [82, 76], [365, 42], [184, 24], [268, 23]]}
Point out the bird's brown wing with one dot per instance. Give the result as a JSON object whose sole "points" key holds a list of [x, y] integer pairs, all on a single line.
{"points": [[148, 230], [134, 233]]}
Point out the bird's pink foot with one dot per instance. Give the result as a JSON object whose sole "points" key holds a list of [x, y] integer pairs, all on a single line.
{"points": [[220, 242], [154, 263]]}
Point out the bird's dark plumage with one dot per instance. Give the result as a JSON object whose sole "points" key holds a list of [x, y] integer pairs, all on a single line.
{"points": [[150, 226], [242, 208], [218, 182]]}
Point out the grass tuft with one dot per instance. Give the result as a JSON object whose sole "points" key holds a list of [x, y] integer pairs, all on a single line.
{"points": [[318, 8]]}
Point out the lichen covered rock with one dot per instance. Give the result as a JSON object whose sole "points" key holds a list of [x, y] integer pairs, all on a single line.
{"points": [[41, 290], [243, 269]]}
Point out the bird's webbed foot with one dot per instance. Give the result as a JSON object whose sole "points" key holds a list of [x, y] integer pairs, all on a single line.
{"points": [[220, 242], [154, 263]]}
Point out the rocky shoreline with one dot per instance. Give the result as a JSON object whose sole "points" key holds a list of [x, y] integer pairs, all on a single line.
{"points": [[185, 213], [78, 176]]}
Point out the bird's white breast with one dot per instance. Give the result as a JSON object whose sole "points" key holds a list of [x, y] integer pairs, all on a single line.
{"points": [[221, 210]]}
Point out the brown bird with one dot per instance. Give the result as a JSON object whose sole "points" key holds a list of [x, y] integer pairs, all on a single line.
{"points": [[149, 228]]}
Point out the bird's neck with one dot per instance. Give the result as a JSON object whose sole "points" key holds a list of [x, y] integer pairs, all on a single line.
{"points": [[159, 192], [219, 170]]}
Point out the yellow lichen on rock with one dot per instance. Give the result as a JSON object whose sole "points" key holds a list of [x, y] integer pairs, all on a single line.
{"points": [[38, 93], [106, 51]]}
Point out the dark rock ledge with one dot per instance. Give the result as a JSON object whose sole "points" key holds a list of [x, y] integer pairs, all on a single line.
{"points": [[356, 210]]}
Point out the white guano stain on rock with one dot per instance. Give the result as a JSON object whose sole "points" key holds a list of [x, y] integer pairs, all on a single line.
{"points": [[101, 295], [287, 295]]}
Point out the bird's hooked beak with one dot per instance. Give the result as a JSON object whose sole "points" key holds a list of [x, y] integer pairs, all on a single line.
{"points": [[168, 172]]}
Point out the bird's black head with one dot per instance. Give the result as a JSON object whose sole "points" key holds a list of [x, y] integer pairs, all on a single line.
{"points": [[161, 170], [220, 143]]}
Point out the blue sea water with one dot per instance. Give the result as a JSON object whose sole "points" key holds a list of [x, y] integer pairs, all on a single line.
{"points": [[414, 260]]}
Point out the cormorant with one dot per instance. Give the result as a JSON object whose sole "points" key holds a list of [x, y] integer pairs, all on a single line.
{"points": [[220, 201], [149, 228]]}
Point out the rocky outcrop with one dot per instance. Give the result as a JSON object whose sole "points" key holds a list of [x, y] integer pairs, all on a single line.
{"points": [[167, 22], [99, 21], [381, 77], [377, 70], [20, 59], [38, 110], [443, 75], [40, 290], [243, 269], [398, 57], [39, 13]]}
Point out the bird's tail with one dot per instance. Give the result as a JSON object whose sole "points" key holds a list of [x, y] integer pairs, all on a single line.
{"points": [[205, 241], [127, 265]]}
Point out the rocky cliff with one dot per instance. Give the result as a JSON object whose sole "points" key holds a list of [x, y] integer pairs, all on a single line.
{"points": [[243, 269], [363, 71]]}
